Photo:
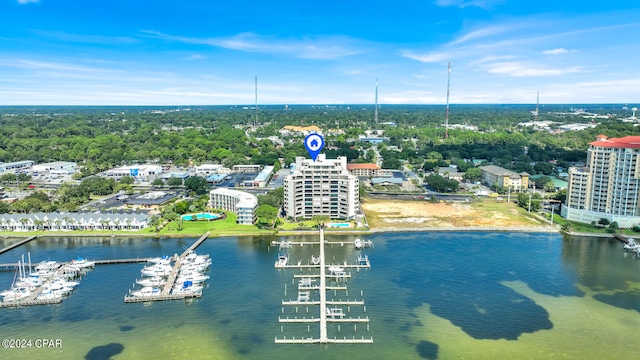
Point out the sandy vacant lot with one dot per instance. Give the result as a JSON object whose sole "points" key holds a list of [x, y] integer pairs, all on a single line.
{"points": [[422, 214]]}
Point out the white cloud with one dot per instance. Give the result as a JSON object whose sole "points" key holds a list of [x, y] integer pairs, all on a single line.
{"points": [[485, 4], [28, 1], [323, 48], [195, 57], [427, 58], [557, 51], [89, 39], [521, 69]]}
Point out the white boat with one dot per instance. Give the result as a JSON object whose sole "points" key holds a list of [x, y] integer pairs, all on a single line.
{"points": [[187, 287], [47, 265], [194, 267], [81, 263], [166, 260], [193, 277], [152, 281], [315, 260], [282, 261], [147, 291], [156, 270], [49, 295], [285, 244], [335, 269], [358, 244], [15, 294]]}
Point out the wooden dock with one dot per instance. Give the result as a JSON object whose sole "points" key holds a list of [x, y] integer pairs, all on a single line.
{"points": [[17, 303], [196, 244], [19, 243], [166, 294], [137, 299]]}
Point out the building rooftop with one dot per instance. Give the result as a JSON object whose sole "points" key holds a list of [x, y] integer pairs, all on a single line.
{"points": [[368, 166], [499, 171], [627, 142]]}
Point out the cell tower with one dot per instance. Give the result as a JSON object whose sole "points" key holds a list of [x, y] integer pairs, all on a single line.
{"points": [[256, 124], [535, 115], [375, 113], [446, 118]]}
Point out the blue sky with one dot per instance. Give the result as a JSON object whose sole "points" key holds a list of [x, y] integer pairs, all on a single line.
{"points": [[163, 52]]}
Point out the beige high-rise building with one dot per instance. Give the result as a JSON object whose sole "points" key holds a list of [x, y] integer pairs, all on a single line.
{"points": [[321, 187], [609, 185]]}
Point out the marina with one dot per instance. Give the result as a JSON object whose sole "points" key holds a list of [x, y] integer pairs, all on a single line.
{"points": [[458, 299], [48, 282], [182, 280], [307, 285]]}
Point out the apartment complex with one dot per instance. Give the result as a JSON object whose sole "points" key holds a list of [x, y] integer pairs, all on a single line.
{"points": [[321, 187], [492, 174], [609, 185], [239, 202], [364, 170]]}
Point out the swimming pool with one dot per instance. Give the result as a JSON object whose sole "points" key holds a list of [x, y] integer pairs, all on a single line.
{"points": [[201, 216], [339, 224]]}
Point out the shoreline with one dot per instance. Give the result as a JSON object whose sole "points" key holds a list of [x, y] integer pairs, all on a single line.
{"points": [[284, 233]]}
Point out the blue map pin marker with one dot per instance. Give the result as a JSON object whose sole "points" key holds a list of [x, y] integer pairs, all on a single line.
{"points": [[314, 143]]}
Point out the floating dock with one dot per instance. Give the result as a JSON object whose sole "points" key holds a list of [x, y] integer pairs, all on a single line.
{"points": [[166, 293], [326, 314]]}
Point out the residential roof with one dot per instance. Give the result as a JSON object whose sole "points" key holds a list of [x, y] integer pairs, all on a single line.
{"points": [[500, 171], [382, 180], [369, 166], [301, 128], [627, 142]]}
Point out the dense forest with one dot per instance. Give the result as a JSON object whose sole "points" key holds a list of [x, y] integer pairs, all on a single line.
{"points": [[98, 138]]}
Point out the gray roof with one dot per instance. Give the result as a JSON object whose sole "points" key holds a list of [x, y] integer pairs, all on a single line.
{"points": [[75, 216], [500, 171]]}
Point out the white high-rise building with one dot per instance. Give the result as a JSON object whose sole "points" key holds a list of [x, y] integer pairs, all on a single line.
{"points": [[321, 187], [609, 185]]}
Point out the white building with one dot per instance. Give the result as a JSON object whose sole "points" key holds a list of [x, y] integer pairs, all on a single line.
{"points": [[16, 166], [205, 170], [239, 202], [321, 187], [609, 185], [72, 221], [66, 166], [135, 171]]}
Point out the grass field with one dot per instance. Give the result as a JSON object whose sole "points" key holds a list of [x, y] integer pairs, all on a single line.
{"points": [[489, 213]]}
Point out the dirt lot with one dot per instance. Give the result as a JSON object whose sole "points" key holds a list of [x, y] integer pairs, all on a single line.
{"points": [[421, 214]]}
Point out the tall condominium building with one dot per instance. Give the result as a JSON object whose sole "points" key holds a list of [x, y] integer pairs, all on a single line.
{"points": [[609, 185], [321, 187]]}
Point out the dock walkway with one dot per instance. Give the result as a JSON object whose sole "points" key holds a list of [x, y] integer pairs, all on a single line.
{"points": [[166, 293], [326, 314], [19, 243]]}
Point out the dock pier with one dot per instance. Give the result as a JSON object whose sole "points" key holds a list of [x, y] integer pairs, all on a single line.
{"points": [[19, 243], [329, 309], [166, 293]]}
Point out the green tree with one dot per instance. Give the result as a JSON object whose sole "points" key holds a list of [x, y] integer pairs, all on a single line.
{"points": [[473, 174], [174, 182], [197, 184], [127, 180], [320, 220]]}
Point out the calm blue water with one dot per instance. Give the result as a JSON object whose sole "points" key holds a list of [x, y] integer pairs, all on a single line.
{"points": [[438, 295]]}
